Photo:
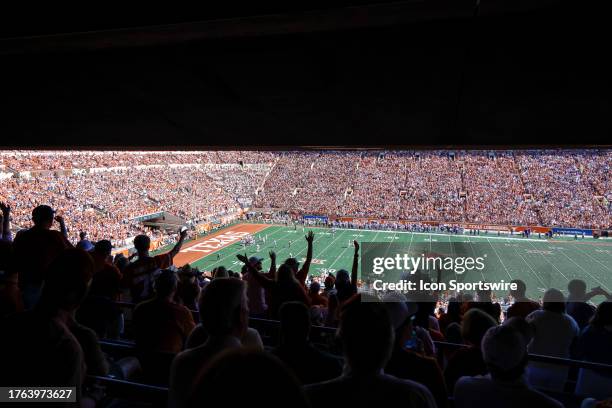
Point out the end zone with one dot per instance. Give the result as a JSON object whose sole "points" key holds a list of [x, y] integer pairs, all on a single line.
{"points": [[210, 244]]}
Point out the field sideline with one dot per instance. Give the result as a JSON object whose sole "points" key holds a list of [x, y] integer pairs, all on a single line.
{"points": [[540, 263]]}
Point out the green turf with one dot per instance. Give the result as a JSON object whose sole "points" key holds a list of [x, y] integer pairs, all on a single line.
{"points": [[540, 263]]}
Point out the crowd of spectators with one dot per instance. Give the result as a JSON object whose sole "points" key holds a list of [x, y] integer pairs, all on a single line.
{"points": [[495, 191], [540, 187], [375, 186], [288, 177], [57, 160], [433, 187], [240, 184], [59, 301], [545, 187], [561, 192], [104, 203]]}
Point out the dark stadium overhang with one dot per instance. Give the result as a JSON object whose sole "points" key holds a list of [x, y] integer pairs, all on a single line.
{"points": [[110, 26], [279, 23], [425, 73]]}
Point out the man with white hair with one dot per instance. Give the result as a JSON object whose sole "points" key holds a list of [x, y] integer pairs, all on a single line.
{"points": [[224, 316], [505, 354]]}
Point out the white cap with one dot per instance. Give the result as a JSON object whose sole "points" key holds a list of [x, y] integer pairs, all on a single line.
{"points": [[503, 347]]}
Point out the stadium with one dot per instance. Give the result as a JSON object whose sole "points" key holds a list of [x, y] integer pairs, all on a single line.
{"points": [[306, 204], [514, 203], [379, 196]]}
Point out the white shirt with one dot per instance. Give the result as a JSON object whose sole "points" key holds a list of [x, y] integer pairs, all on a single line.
{"points": [[554, 333]]}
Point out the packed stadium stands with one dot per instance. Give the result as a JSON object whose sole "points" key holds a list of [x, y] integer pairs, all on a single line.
{"points": [[529, 187], [552, 188], [106, 190]]}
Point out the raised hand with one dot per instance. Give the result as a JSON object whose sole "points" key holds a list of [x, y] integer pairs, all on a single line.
{"points": [[309, 237], [599, 291], [5, 208], [183, 234], [59, 219], [356, 244], [272, 255], [243, 258]]}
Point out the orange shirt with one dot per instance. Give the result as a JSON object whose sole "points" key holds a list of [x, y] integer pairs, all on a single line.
{"points": [[161, 325]]}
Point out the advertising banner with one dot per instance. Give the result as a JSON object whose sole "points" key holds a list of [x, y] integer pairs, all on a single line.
{"points": [[316, 218], [572, 231], [485, 227], [536, 229]]}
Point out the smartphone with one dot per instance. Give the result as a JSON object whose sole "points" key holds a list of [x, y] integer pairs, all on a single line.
{"points": [[411, 343]]}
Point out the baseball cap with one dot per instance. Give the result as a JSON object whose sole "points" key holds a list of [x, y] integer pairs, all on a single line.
{"points": [[254, 260], [85, 245], [104, 245], [503, 347]]}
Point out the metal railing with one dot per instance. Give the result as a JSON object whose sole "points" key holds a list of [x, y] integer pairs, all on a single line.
{"points": [[323, 335]]}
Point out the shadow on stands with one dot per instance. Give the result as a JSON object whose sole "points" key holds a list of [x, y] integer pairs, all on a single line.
{"points": [[144, 377]]}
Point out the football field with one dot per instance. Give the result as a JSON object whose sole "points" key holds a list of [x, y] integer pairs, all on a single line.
{"points": [[541, 263]]}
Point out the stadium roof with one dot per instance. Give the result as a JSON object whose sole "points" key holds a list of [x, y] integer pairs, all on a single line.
{"points": [[302, 14], [417, 72]]}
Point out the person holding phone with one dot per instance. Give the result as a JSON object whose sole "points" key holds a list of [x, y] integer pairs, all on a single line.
{"points": [[408, 359]]}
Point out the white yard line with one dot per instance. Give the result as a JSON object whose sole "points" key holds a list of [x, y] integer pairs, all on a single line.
{"points": [[343, 251], [500, 260], [313, 242], [339, 256], [587, 272], [551, 264], [537, 275], [595, 259], [474, 253]]}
